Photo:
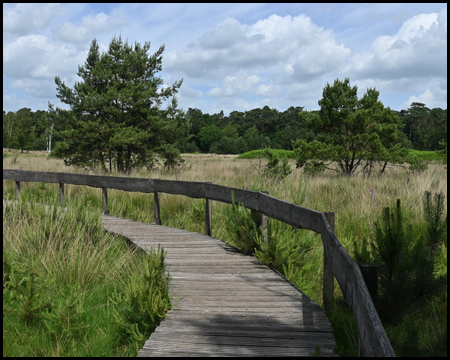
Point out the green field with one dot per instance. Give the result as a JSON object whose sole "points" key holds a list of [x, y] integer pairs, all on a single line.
{"points": [[357, 201]]}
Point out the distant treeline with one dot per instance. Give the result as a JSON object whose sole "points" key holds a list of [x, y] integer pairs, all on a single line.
{"points": [[234, 134]]}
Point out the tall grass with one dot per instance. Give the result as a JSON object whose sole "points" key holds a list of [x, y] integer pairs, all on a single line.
{"points": [[66, 284], [357, 201]]}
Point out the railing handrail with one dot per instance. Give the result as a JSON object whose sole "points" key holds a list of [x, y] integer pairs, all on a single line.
{"points": [[373, 340]]}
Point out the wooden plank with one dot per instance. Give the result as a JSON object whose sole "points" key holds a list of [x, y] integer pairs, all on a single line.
{"points": [[156, 209], [232, 351], [311, 318], [300, 340], [105, 201], [266, 276], [61, 194], [98, 181], [217, 325], [188, 188], [17, 189], [208, 217], [328, 277], [292, 214], [224, 194], [216, 289], [223, 347]]}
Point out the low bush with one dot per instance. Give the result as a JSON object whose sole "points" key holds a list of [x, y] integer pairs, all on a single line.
{"points": [[417, 165], [257, 154], [426, 155]]}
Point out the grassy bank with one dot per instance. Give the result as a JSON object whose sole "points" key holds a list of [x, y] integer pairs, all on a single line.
{"points": [[71, 289], [357, 201]]}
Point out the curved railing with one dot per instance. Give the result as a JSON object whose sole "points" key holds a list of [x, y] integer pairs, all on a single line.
{"points": [[372, 339]]}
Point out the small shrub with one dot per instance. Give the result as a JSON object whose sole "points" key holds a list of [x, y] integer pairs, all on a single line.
{"points": [[417, 165], [14, 158], [407, 263], [257, 154], [443, 152], [191, 147], [274, 168], [243, 225], [144, 300], [314, 168], [172, 157]]}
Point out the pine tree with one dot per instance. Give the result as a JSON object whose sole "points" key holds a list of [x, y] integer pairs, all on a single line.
{"points": [[352, 133], [407, 262], [115, 120]]}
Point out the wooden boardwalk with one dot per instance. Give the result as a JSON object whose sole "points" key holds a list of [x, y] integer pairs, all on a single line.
{"points": [[226, 303]]}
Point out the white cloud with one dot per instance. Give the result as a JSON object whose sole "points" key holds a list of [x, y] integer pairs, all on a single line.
{"points": [[419, 49], [91, 27], [34, 56], [40, 88], [13, 101], [234, 85], [227, 33], [268, 90], [303, 47], [431, 98], [189, 92], [25, 18]]}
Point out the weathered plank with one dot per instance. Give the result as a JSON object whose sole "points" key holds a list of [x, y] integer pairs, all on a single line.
{"points": [[99, 181], [292, 214], [226, 303]]}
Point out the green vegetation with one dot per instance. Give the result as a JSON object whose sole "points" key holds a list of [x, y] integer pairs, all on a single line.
{"points": [[257, 154], [71, 289], [406, 260], [426, 155], [191, 130], [352, 134], [410, 277], [277, 165], [358, 203], [114, 119], [425, 128], [421, 154], [348, 136]]}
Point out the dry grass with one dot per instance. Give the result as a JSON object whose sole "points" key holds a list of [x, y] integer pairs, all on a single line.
{"points": [[357, 201], [325, 192]]}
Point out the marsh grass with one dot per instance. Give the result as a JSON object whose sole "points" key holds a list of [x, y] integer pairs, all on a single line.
{"points": [[357, 201]]}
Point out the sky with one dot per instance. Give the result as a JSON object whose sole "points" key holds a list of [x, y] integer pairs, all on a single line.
{"points": [[236, 57]]}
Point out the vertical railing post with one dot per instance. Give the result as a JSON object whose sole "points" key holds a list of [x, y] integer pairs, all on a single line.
{"points": [[61, 194], [208, 217], [105, 201], [263, 224], [328, 277], [370, 275], [17, 189], [156, 209]]}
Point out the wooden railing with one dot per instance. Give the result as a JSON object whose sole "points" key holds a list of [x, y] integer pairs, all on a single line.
{"points": [[372, 339]]}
